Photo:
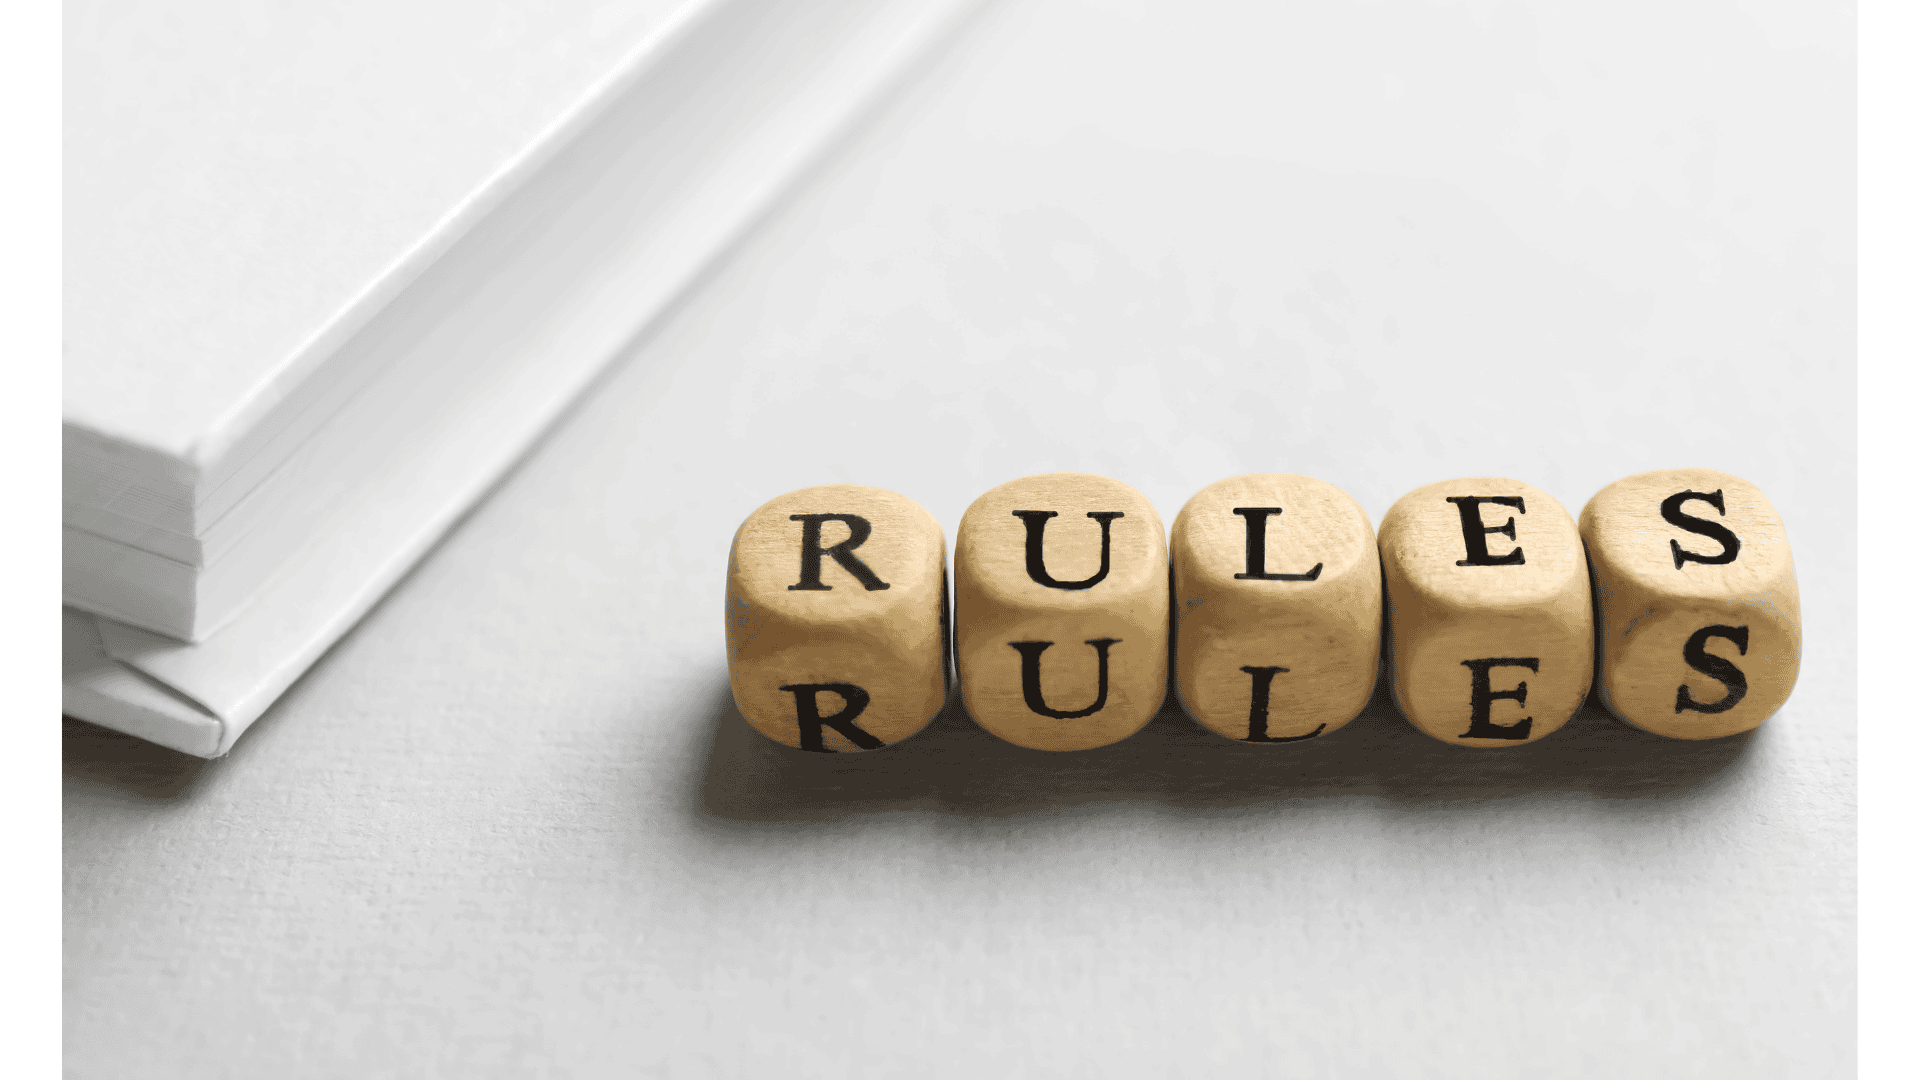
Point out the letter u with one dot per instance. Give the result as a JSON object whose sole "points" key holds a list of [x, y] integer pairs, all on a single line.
{"points": [[1030, 678], [1037, 541]]}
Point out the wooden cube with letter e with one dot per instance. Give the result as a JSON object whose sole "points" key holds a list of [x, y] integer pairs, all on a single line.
{"points": [[1060, 611], [1489, 611], [837, 618], [1698, 605], [1276, 608]]}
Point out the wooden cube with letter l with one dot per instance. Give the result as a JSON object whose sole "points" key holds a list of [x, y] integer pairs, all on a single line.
{"points": [[837, 618], [1489, 611], [1698, 604], [1276, 608], [1060, 611]]}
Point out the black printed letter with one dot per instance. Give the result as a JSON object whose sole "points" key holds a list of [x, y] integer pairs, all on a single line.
{"points": [[1036, 548], [1477, 531], [842, 552], [1484, 696], [1704, 662], [1257, 548], [1030, 677], [1713, 530], [1257, 713], [806, 705]]}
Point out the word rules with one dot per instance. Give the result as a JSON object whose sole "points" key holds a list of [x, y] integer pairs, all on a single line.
{"points": [[1271, 602]]}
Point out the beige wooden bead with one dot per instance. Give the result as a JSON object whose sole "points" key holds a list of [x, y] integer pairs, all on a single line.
{"points": [[836, 618], [1276, 607], [1698, 604], [1489, 612], [1060, 611]]}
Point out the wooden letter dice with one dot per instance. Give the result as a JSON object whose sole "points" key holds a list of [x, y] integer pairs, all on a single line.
{"points": [[1699, 608], [1060, 614], [836, 618], [1489, 611], [1276, 607]]}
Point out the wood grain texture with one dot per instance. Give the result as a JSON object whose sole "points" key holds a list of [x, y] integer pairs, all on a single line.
{"points": [[1063, 645], [1489, 613], [1274, 571], [1697, 602], [836, 618]]}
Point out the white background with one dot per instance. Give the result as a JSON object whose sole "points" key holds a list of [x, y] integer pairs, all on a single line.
{"points": [[513, 826]]}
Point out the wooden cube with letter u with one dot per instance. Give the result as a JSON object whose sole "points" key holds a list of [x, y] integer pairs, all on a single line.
{"points": [[837, 618], [1060, 611], [1489, 611]]}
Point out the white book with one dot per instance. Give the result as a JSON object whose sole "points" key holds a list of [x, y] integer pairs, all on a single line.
{"points": [[330, 275]]}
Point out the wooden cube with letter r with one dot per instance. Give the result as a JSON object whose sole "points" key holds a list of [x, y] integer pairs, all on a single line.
{"points": [[1698, 604], [1489, 612], [1060, 611], [837, 618]]}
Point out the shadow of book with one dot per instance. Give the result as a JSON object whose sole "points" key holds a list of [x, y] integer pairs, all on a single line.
{"points": [[132, 765], [954, 767]]}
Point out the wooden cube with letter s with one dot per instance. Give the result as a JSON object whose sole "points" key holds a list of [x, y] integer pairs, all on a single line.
{"points": [[1698, 603], [837, 618]]}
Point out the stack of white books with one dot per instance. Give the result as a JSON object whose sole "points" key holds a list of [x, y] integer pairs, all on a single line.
{"points": [[329, 275]]}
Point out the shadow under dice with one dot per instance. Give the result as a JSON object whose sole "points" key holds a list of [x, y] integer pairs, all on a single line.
{"points": [[836, 618], [1060, 612]]}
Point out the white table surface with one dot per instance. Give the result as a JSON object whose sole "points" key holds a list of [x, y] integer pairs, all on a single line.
{"points": [[513, 826]]}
